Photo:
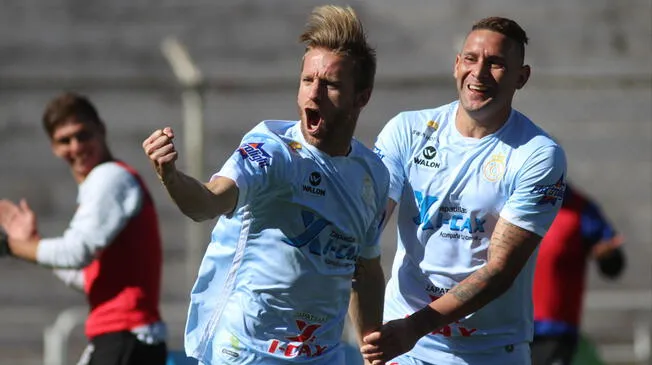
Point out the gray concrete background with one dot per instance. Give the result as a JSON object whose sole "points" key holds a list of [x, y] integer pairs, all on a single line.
{"points": [[591, 88]]}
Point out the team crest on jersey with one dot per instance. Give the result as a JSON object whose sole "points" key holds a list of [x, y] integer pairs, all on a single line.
{"points": [[551, 193], [255, 153], [494, 169]]}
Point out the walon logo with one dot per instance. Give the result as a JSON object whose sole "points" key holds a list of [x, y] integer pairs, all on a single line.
{"points": [[428, 154], [314, 179]]}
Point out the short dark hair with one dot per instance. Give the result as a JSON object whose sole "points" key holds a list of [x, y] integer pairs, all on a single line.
{"points": [[506, 27], [69, 104]]}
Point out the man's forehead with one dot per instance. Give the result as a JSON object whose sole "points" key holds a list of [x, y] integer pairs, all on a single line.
{"points": [[321, 61], [486, 39], [72, 126]]}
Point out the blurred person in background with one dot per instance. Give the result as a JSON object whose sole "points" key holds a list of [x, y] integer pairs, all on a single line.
{"points": [[300, 205], [111, 249], [479, 184], [579, 233]]}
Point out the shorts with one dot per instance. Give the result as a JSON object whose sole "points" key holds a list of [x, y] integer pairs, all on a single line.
{"points": [[247, 357], [123, 348], [518, 354], [558, 350]]}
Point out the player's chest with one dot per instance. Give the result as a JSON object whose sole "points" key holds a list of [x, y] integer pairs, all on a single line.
{"points": [[342, 191], [473, 177]]}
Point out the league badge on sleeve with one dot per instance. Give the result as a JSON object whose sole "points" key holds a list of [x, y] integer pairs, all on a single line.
{"points": [[255, 153], [551, 193]]}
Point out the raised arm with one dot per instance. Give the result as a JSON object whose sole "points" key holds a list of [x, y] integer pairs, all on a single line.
{"points": [[196, 200]]}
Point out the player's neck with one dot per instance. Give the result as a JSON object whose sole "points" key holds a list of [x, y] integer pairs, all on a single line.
{"points": [[331, 148], [81, 177], [479, 126]]}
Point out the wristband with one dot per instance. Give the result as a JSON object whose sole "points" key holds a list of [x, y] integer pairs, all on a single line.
{"points": [[426, 320]]}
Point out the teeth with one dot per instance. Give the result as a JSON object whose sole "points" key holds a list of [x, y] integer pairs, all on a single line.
{"points": [[478, 88]]}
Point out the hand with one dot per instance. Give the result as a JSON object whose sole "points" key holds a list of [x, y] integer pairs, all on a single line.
{"points": [[392, 339], [18, 221], [605, 248], [159, 147]]}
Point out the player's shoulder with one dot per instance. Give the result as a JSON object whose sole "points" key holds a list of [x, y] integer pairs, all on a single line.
{"points": [[112, 171], [111, 176], [527, 135], [369, 156], [373, 162], [424, 117], [268, 138]]}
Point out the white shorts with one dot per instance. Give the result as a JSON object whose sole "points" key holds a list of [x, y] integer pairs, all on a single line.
{"points": [[245, 357], [518, 354]]}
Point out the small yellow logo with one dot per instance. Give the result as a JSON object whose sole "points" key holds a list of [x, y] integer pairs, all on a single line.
{"points": [[432, 124], [494, 169], [295, 145], [235, 342]]}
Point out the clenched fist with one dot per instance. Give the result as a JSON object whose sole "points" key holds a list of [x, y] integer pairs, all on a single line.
{"points": [[159, 147]]}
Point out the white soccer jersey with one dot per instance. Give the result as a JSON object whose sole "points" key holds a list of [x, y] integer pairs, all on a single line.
{"points": [[452, 190], [275, 281]]}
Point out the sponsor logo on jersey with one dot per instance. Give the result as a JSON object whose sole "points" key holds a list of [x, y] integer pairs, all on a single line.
{"points": [[433, 124], [300, 345], [337, 249], [310, 317], [314, 180], [551, 193], [435, 292], [425, 135], [235, 349], [428, 153], [255, 153], [460, 224], [494, 169]]}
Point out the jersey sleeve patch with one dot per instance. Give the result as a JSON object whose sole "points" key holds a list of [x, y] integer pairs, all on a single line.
{"points": [[255, 152]]}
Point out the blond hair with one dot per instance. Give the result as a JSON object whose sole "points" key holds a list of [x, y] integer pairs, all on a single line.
{"points": [[338, 29]]}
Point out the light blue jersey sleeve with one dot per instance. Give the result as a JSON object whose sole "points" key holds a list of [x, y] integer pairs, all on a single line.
{"points": [[539, 190], [392, 146], [256, 166]]}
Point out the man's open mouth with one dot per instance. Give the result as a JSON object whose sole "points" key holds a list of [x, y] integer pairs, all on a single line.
{"points": [[313, 119]]}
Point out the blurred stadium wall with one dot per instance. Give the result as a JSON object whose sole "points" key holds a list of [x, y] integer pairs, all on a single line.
{"points": [[590, 87]]}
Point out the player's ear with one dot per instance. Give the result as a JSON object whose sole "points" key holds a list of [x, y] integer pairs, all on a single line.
{"points": [[456, 64], [362, 98], [523, 76]]}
